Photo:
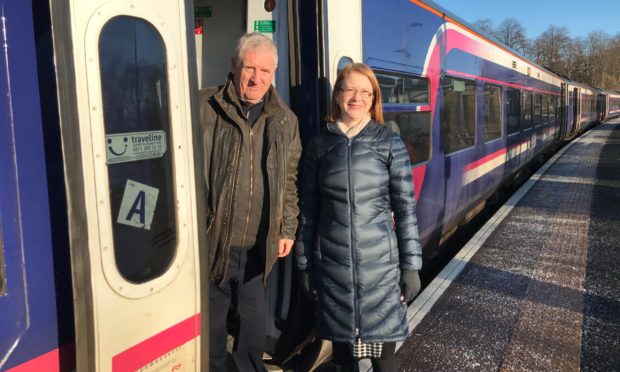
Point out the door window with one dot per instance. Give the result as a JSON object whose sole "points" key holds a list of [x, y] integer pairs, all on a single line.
{"points": [[537, 109], [458, 114], [513, 110], [136, 117], [342, 63], [526, 110], [493, 117], [407, 112]]}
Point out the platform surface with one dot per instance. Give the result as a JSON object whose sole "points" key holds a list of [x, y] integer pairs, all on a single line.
{"points": [[538, 288]]}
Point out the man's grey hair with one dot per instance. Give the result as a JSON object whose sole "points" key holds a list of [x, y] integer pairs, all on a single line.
{"points": [[254, 41]]}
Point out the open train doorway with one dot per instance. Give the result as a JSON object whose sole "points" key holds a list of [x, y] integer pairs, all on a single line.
{"points": [[218, 24], [576, 111]]}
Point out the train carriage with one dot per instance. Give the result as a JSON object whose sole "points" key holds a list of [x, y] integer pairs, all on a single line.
{"points": [[609, 104], [581, 107], [613, 104]]}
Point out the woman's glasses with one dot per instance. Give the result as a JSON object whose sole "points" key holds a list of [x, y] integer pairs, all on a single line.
{"points": [[350, 92]]}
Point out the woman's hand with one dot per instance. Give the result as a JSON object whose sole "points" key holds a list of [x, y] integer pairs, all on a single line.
{"points": [[307, 285], [409, 285]]}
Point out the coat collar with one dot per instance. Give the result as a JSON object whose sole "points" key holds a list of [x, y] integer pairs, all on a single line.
{"points": [[371, 128]]}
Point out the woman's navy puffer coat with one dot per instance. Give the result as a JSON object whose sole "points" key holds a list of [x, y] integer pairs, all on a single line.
{"points": [[352, 190]]}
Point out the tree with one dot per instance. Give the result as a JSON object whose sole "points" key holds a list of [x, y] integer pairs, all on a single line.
{"points": [[592, 60], [597, 44], [576, 66], [512, 33], [613, 50], [551, 49], [486, 25]]}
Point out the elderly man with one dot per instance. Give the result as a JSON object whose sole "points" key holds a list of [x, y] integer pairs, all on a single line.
{"points": [[251, 151]]}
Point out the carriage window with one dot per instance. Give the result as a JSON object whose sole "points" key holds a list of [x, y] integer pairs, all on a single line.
{"points": [[513, 108], [537, 109], [407, 112], [137, 126], [545, 108], [415, 130], [458, 114], [526, 110], [492, 112], [403, 89]]}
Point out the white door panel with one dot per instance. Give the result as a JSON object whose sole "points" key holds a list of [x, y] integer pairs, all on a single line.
{"points": [[136, 278], [344, 34]]}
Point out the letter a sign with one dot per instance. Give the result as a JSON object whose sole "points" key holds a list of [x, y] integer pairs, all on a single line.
{"points": [[138, 205]]}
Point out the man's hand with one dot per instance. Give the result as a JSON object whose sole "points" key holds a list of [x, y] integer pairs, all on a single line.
{"points": [[284, 247]]}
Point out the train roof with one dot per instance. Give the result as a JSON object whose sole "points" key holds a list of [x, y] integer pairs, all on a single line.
{"points": [[445, 13]]}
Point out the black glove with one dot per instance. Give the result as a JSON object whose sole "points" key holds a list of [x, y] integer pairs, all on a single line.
{"points": [[409, 285], [307, 285]]}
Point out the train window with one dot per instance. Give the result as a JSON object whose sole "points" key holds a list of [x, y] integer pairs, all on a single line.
{"points": [[403, 89], [492, 106], [137, 126], [545, 108], [458, 114], [415, 130], [407, 112], [537, 109], [513, 108], [526, 110]]}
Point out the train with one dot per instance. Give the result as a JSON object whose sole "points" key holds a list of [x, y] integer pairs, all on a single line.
{"points": [[100, 208]]}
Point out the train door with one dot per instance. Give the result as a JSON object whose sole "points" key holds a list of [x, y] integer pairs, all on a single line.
{"points": [[601, 107], [563, 113], [576, 111], [343, 37], [125, 100]]}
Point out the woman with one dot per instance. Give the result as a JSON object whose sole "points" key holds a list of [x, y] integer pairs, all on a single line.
{"points": [[358, 245]]}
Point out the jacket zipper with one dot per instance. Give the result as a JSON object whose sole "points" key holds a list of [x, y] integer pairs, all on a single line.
{"points": [[270, 178], [354, 259], [230, 202], [247, 218]]}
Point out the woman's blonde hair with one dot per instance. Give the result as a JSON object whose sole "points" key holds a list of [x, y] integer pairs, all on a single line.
{"points": [[376, 109]]}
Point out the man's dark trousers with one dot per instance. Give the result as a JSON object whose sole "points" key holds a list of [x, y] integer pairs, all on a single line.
{"points": [[243, 285]]}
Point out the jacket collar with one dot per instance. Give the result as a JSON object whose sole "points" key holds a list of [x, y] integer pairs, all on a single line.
{"points": [[371, 128]]}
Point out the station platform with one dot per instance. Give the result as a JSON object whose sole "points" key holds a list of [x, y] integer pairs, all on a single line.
{"points": [[538, 287]]}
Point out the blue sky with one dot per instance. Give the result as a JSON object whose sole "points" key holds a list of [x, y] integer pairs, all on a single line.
{"points": [[580, 16]]}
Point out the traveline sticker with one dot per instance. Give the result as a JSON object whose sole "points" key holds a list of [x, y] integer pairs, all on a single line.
{"points": [[126, 147], [138, 205]]}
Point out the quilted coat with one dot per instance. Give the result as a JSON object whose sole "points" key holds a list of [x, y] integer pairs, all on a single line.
{"points": [[358, 230]]}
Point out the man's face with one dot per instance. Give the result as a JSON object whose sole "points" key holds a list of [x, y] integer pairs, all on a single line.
{"points": [[254, 73]]}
